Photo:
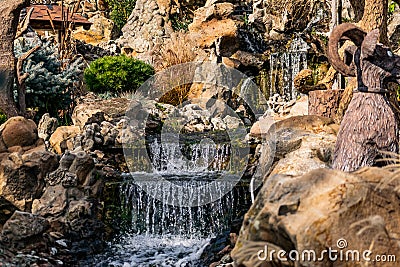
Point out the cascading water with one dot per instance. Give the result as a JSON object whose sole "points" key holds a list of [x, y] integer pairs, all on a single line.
{"points": [[285, 66], [160, 234], [253, 41]]}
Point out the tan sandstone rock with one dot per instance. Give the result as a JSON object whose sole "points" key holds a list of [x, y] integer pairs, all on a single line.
{"points": [[62, 138], [322, 209]]}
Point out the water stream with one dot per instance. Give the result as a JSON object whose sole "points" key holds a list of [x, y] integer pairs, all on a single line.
{"points": [[285, 66], [160, 234]]}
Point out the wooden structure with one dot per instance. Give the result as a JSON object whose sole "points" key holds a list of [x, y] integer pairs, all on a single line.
{"points": [[49, 17]]}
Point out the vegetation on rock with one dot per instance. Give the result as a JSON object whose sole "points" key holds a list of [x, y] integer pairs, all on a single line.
{"points": [[120, 11]]}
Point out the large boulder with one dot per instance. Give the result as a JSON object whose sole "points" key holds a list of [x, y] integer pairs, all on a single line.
{"points": [[23, 225], [213, 25], [304, 206], [323, 209], [147, 27], [52, 203], [303, 143], [111, 109], [18, 131]]}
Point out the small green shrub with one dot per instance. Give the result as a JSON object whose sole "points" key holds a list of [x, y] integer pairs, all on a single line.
{"points": [[116, 74], [120, 11]]}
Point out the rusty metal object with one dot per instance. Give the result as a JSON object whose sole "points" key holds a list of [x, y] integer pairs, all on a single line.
{"points": [[369, 126]]}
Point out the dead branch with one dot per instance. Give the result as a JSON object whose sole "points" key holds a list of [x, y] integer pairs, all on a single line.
{"points": [[22, 77], [23, 26], [51, 21]]}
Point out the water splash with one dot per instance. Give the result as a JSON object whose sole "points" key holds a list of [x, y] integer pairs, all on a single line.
{"points": [[159, 234], [153, 217], [197, 157], [145, 251], [285, 66]]}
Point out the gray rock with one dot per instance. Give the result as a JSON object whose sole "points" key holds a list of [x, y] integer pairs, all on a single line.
{"points": [[218, 124], [232, 122], [52, 203], [23, 225], [147, 27], [47, 126]]}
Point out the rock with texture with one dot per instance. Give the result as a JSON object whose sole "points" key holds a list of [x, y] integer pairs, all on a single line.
{"points": [[102, 30], [23, 225], [298, 145], [47, 126], [214, 26], [22, 176], [316, 210], [18, 131], [146, 28], [62, 138], [90, 105], [275, 17]]}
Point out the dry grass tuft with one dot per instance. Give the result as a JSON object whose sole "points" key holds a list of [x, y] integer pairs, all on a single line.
{"points": [[393, 166], [179, 49]]}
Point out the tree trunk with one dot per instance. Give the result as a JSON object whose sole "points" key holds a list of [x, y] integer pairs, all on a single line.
{"points": [[9, 16], [324, 102], [375, 17], [358, 7]]}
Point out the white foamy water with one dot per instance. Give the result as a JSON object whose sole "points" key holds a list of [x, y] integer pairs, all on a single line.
{"points": [[149, 251], [159, 233]]}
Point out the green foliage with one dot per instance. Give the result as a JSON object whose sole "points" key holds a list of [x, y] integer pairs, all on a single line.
{"points": [[120, 11], [107, 95], [180, 22], [50, 87], [3, 117], [392, 7], [116, 74]]}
